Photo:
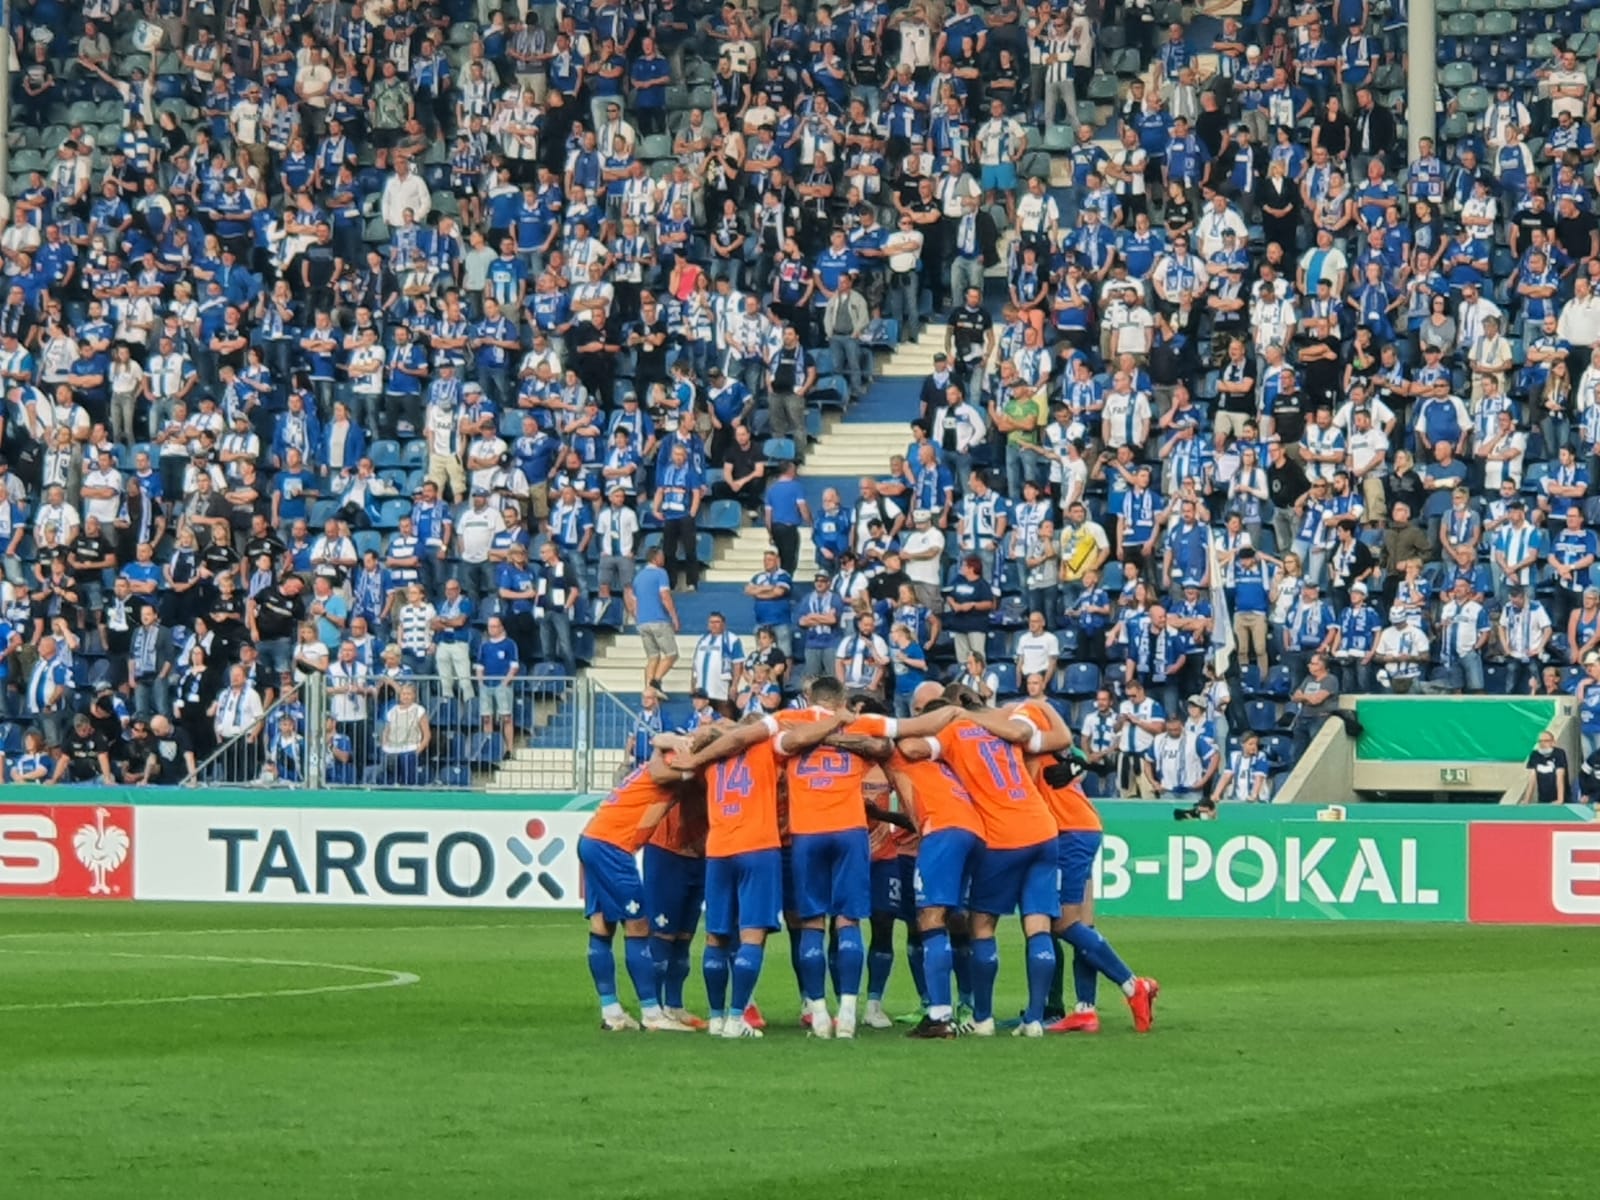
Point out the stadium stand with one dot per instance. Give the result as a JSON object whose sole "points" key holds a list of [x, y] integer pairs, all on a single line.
{"points": [[357, 353]]}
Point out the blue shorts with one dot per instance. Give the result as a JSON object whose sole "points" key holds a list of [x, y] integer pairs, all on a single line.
{"points": [[1000, 178], [674, 890], [892, 885], [946, 861], [611, 883], [1075, 853], [1025, 878], [833, 875], [788, 878], [744, 891]]}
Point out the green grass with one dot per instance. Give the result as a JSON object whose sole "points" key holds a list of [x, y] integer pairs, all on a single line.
{"points": [[1297, 1060]]}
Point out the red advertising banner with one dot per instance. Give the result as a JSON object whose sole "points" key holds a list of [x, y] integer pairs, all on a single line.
{"points": [[1532, 874], [68, 852]]}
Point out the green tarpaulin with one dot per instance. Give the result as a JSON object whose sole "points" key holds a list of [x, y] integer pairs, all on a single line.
{"points": [[1422, 729]]}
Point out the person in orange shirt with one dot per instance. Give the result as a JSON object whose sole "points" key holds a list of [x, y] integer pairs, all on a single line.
{"points": [[614, 892], [1017, 869], [1078, 838], [893, 871], [674, 893], [743, 860], [831, 850], [948, 851]]}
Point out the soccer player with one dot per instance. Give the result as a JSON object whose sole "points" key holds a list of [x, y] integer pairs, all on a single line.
{"points": [[947, 855], [614, 892], [893, 886], [674, 891], [1018, 867], [743, 862], [1077, 844], [831, 851]]}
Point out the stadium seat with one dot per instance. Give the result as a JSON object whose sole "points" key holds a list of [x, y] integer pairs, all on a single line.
{"points": [[1083, 680], [722, 516], [1261, 715]]}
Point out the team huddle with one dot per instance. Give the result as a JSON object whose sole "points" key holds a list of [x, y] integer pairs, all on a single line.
{"points": [[784, 820]]}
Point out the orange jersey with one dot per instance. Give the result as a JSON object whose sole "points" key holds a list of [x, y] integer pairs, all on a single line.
{"points": [[938, 800], [628, 816], [825, 784], [880, 834], [742, 803], [1069, 806], [1073, 811], [1013, 812], [675, 834]]}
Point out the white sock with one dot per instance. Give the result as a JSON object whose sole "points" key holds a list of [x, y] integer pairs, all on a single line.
{"points": [[1131, 986], [874, 1006], [847, 1008], [652, 1009], [939, 1012], [1083, 1008], [611, 1010], [818, 1008]]}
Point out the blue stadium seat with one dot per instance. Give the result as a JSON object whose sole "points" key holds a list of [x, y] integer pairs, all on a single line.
{"points": [[385, 452], [390, 512], [1083, 680], [1261, 715], [722, 516]]}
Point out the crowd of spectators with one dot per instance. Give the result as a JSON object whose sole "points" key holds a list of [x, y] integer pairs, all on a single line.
{"points": [[378, 341]]}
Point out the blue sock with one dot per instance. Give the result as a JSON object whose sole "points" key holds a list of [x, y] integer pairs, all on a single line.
{"points": [[1041, 966], [603, 969], [641, 970], [963, 969], [746, 970], [916, 957], [1085, 979], [714, 965], [813, 964], [880, 965], [1056, 1000], [937, 961], [1098, 951], [661, 952], [852, 960], [985, 970], [677, 975], [833, 961], [795, 932]]}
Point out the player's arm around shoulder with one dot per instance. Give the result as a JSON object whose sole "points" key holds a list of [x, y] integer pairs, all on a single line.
{"points": [[791, 740], [1004, 724]]}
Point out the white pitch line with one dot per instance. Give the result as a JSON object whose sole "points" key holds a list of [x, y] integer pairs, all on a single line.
{"points": [[129, 933], [390, 979]]}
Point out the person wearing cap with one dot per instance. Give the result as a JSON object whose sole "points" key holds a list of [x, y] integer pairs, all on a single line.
{"points": [[1516, 547], [1523, 633], [1310, 628], [1179, 765], [1355, 641], [1401, 652], [1464, 634]]}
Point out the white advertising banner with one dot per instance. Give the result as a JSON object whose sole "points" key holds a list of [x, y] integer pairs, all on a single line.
{"points": [[359, 856]]}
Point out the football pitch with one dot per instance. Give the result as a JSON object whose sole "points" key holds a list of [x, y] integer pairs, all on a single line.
{"points": [[157, 1051]]}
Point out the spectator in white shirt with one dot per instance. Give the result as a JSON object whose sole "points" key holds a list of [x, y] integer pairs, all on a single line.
{"points": [[1038, 650]]}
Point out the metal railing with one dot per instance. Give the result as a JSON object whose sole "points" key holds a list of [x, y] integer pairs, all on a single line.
{"points": [[543, 733]]}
